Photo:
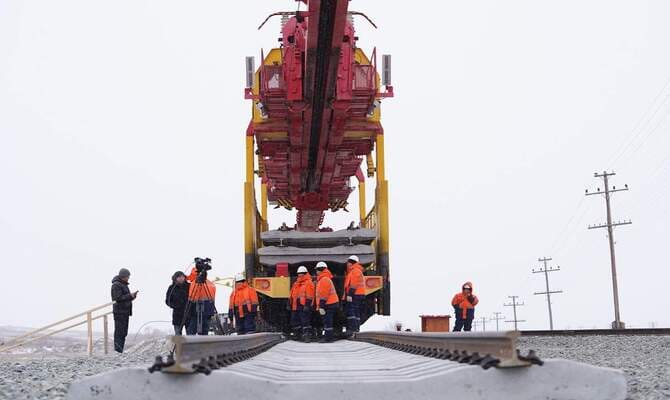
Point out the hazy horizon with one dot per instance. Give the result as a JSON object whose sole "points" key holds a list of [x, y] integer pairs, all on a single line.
{"points": [[122, 131]]}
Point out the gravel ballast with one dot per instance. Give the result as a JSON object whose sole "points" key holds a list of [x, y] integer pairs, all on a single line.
{"points": [[645, 360], [48, 376]]}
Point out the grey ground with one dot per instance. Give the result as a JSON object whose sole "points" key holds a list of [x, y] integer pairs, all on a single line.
{"points": [[644, 359], [45, 375]]}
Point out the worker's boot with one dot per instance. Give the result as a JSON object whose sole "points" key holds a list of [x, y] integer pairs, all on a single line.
{"points": [[307, 335], [328, 336]]}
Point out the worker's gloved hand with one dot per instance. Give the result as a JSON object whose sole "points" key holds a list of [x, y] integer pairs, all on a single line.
{"points": [[322, 312], [471, 299], [349, 299], [134, 294]]}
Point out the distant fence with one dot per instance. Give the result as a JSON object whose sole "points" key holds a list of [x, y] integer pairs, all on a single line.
{"points": [[45, 331]]}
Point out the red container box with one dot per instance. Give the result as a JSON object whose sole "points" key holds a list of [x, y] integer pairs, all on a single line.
{"points": [[435, 323], [281, 269]]}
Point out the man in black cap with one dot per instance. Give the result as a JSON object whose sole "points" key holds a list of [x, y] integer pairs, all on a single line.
{"points": [[176, 298], [123, 307]]}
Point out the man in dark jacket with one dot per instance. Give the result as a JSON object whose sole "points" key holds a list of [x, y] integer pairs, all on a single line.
{"points": [[176, 298], [123, 307]]}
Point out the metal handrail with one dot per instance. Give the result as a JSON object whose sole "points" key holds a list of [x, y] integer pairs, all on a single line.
{"points": [[370, 220], [30, 336]]}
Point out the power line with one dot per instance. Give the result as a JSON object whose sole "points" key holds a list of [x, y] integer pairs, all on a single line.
{"points": [[481, 321], [643, 121], [514, 305], [569, 234], [546, 270], [617, 324], [497, 317], [646, 137], [567, 225]]}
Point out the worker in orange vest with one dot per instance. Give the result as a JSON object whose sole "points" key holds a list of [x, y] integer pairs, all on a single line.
{"points": [[326, 297], [301, 301], [354, 294], [243, 306], [201, 308], [464, 308]]}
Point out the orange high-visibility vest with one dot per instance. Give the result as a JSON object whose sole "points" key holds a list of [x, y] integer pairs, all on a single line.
{"points": [[302, 290], [461, 300], [325, 289], [307, 291], [243, 297], [202, 291], [355, 280], [293, 295]]}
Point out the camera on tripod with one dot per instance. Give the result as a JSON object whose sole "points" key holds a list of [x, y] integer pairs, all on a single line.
{"points": [[202, 265]]}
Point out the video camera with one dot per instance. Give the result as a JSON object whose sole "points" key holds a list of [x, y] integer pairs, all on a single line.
{"points": [[203, 264]]}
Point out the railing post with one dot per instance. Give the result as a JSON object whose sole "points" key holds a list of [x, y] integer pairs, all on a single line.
{"points": [[89, 325], [105, 330]]}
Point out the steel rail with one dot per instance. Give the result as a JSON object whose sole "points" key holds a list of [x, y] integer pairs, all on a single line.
{"points": [[599, 332], [206, 353], [494, 349]]}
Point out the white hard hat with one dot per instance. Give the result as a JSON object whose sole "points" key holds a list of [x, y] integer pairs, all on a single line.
{"points": [[239, 278], [302, 269], [353, 258], [321, 265]]}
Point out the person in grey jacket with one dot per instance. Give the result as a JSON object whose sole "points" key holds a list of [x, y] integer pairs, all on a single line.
{"points": [[123, 307]]}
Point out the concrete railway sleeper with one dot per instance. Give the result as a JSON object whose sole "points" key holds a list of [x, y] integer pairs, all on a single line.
{"points": [[484, 349], [355, 370]]}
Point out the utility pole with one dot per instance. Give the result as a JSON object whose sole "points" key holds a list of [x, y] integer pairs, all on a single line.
{"points": [[546, 270], [497, 318], [617, 324], [514, 305], [483, 324]]}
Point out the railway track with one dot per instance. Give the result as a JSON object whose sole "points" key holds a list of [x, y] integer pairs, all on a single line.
{"points": [[484, 349], [386, 365], [204, 354]]}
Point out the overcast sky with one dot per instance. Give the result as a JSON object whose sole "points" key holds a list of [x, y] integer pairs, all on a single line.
{"points": [[122, 131]]}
